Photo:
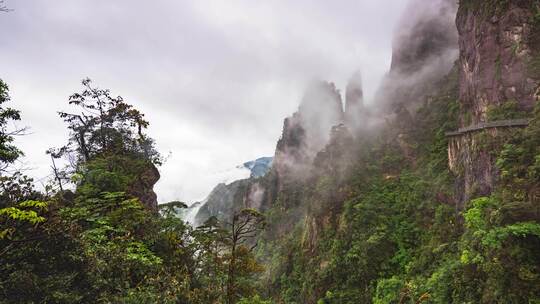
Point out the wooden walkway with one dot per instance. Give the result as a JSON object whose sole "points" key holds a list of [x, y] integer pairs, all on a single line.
{"points": [[509, 123]]}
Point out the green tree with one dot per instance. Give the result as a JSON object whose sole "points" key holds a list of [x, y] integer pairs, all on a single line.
{"points": [[106, 125], [8, 151], [241, 264]]}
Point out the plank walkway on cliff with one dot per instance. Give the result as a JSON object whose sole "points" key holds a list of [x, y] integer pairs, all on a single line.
{"points": [[508, 123]]}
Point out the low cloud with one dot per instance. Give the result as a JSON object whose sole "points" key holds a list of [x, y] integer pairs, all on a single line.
{"points": [[215, 78]]}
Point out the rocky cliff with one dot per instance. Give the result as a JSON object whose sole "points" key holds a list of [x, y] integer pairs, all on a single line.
{"points": [[306, 132], [356, 113], [497, 45], [143, 187], [425, 47], [498, 48], [370, 204], [223, 201]]}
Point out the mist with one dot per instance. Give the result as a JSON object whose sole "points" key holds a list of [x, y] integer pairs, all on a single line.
{"points": [[424, 50], [214, 78]]}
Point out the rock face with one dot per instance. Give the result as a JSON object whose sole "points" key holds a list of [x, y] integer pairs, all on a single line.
{"points": [[335, 158], [259, 167], [355, 111], [305, 133], [473, 164], [223, 201], [143, 187], [496, 47], [424, 50], [321, 109], [308, 130]]}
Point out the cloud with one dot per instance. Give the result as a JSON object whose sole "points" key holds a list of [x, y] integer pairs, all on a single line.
{"points": [[215, 78]]}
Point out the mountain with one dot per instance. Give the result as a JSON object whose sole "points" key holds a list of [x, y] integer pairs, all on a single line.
{"points": [[259, 167], [237, 190], [428, 195]]}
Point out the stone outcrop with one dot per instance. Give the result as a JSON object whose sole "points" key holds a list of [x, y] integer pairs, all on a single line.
{"points": [[425, 48], [223, 201], [356, 115], [307, 131], [471, 157], [143, 187], [496, 48], [336, 157]]}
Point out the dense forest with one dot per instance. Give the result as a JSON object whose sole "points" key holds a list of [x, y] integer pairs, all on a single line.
{"points": [[430, 196]]}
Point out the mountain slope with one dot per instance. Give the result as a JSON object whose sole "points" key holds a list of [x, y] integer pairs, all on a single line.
{"points": [[380, 217]]}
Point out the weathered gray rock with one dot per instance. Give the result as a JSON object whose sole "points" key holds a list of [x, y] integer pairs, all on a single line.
{"points": [[425, 48], [143, 187], [495, 52]]}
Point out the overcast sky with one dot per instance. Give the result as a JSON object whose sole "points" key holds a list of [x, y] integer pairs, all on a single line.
{"points": [[214, 78]]}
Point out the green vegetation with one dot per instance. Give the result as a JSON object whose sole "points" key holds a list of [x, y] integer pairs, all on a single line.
{"points": [[378, 219], [385, 231], [106, 242], [8, 152], [486, 7], [397, 235], [507, 110]]}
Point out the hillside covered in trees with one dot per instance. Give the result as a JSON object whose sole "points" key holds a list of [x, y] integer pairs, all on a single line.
{"points": [[430, 194]]}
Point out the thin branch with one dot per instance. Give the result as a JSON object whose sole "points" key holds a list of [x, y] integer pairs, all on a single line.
{"points": [[3, 7]]}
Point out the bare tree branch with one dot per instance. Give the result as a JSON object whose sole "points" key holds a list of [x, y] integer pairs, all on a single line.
{"points": [[3, 7]]}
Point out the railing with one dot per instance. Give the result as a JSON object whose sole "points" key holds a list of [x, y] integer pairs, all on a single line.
{"points": [[491, 124]]}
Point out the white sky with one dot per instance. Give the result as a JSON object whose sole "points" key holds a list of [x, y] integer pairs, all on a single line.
{"points": [[214, 78]]}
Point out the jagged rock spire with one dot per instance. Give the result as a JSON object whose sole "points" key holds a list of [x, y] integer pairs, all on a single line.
{"points": [[355, 111], [307, 131]]}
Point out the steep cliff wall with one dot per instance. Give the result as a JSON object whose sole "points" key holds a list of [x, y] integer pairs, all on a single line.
{"points": [[307, 131], [388, 217], [223, 201], [496, 41], [424, 50], [143, 187], [356, 114], [497, 49], [472, 157], [304, 134]]}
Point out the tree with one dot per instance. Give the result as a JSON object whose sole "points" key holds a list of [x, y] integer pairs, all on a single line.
{"points": [[28, 232], [106, 125], [9, 153], [171, 208], [244, 227], [108, 150], [209, 276], [18, 199]]}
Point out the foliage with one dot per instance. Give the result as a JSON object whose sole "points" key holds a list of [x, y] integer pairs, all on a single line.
{"points": [[27, 212], [503, 252], [253, 300], [8, 152], [397, 235], [244, 227], [519, 163], [100, 244], [383, 228], [106, 125], [507, 110]]}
